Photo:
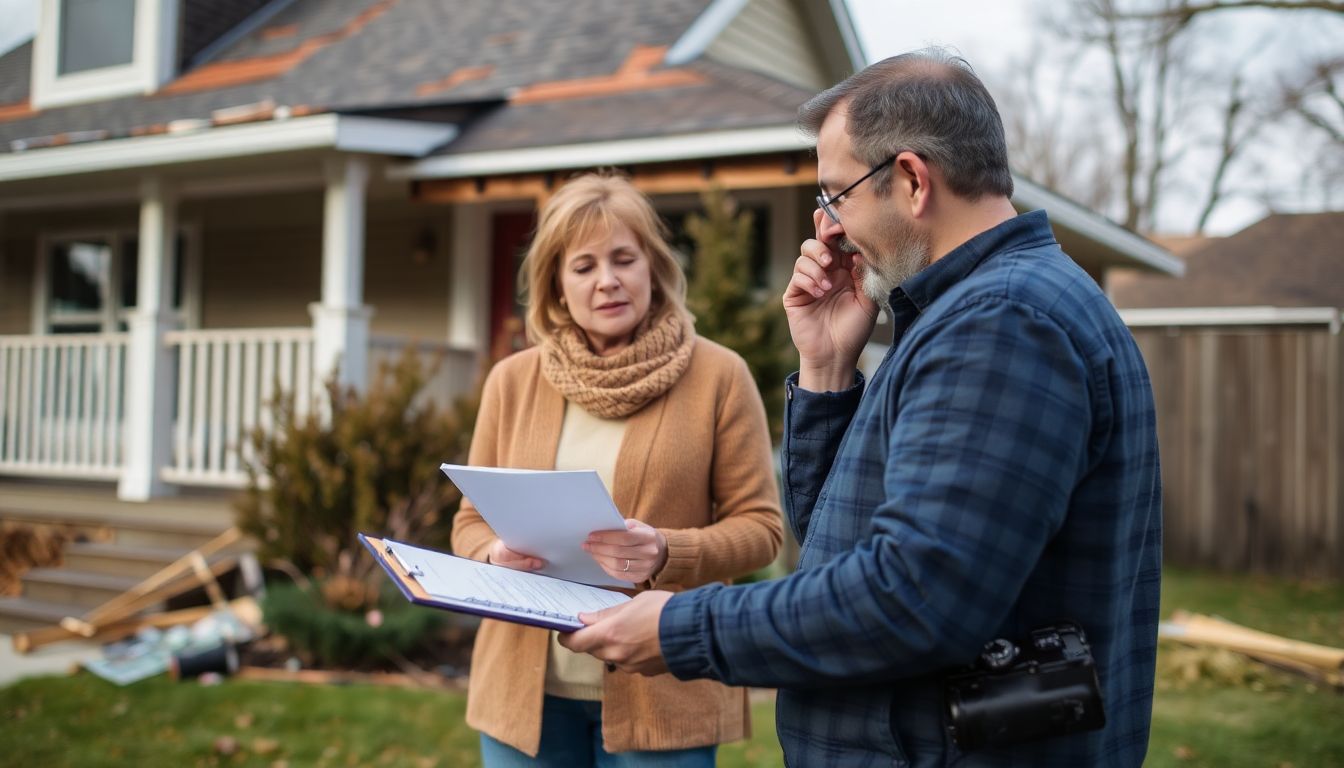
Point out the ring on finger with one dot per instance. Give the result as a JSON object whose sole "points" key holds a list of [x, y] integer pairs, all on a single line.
{"points": [[627, 565]]}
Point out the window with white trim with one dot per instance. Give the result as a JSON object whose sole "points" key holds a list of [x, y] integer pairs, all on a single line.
{"points": [[95, 34], [92, 50], [91, 282]]}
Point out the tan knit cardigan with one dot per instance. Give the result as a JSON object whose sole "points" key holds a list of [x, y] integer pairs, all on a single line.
{"points": [[694, 463]]}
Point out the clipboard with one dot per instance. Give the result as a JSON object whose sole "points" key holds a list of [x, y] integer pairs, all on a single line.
{"points": [[411, 588]]}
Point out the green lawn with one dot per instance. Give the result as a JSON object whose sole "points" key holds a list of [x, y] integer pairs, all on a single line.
{"points": [[1211, 709]]}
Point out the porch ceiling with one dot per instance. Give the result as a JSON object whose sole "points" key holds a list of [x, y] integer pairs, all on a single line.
{"points": [[762, 172]]}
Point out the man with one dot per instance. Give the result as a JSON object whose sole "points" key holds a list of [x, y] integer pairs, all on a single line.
{"points": [[998, 474]]}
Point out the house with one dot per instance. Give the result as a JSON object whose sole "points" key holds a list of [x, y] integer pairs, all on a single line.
{"points": [[1282, 260], [201, 198], [1247, 362]]}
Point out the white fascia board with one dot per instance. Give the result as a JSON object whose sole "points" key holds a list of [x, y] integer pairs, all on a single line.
{"points": [[377, 135], [698, 146], [1029, 195], [858, 58], [1223, 316], [346, 133], [704, 30]]}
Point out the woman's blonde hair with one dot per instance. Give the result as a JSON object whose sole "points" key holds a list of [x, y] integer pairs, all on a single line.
{"points": [[585, 207]]}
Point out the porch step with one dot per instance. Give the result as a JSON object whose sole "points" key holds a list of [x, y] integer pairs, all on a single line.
{"points": [[81, 588], [119, 559], [22, 614]]}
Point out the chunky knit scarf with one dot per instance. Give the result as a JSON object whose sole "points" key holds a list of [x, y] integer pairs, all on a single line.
{"points": [[617, 386]]}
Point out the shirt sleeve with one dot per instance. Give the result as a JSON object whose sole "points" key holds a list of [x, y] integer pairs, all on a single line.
{"points": [[990, 435], [814, 423]]}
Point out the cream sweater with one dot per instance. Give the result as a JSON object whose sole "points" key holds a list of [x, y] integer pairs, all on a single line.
{"points": [[586, 442]]}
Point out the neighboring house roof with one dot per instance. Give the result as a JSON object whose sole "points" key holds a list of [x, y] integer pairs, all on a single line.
{"points": [[1283, 260]]}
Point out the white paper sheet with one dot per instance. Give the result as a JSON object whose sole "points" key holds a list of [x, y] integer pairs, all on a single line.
{"points": [[547, 514], [459, 580]]}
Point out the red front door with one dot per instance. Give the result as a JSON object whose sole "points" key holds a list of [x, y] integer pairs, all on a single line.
{"points": [[510, 234]]}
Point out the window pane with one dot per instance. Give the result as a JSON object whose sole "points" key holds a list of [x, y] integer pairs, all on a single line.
{"points": [[130, 271], [78, 328], [96, 34], [77, 270]]}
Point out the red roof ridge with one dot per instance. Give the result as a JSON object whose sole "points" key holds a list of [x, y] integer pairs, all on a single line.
{"points": [[223, 74], [17, 111], [635, 74], [459, 76]]}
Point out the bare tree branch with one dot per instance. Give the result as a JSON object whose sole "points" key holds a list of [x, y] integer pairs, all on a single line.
{"points": [[1320, 82], [1229, 146], [1185, 12]]}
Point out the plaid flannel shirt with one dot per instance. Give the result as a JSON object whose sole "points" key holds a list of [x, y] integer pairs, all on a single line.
{"points": [[999, 473]]}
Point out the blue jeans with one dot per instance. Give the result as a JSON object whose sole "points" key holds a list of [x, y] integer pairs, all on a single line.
{"points": [[571, 735]]}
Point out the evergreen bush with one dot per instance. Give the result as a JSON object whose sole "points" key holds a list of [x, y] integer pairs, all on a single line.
{"points": [[729, 309]]}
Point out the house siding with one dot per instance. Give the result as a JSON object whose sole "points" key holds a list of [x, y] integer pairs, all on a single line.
{"points": [[20, 236], [770, 37], [266, 272], [16, 284], [261, 261]]}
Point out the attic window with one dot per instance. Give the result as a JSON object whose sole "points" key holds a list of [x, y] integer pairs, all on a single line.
{"points": [[96, 34]]}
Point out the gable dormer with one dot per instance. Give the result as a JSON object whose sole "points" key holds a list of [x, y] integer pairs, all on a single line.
{"points": [[808, 43], [88, 50]]}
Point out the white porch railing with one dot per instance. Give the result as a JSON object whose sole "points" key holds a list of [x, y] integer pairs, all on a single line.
{"points": [[62, 405], [226, 382], [455, 376], [62, 398]]}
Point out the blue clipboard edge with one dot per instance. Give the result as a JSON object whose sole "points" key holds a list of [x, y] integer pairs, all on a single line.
{"points": [[416, 594]]}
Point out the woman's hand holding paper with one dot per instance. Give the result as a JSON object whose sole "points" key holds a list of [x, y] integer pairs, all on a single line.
{"points": [[502, 555], [635, 554]]}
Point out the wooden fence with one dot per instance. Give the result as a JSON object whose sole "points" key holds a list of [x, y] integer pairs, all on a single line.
{"points": [[1250, 408]]}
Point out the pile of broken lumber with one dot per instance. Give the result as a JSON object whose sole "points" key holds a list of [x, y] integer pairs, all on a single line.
{"points": [[1320, 663], [125, 614]]}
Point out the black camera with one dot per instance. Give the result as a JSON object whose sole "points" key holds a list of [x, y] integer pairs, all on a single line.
{"points": [[1014, 694]]}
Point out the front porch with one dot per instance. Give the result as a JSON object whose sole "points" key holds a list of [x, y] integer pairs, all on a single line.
{"points": [[148, 322]]}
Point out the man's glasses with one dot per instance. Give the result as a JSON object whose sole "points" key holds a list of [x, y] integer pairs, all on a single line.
{"points": [[825, 201]]}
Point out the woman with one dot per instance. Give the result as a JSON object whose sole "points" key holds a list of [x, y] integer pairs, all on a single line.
{"points": [[674, 426]]}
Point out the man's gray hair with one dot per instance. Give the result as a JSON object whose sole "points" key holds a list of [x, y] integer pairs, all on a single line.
{"points": [[929, 102]]}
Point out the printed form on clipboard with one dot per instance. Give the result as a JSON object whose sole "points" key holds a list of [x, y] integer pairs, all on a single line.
{"points": [[440, 580]]}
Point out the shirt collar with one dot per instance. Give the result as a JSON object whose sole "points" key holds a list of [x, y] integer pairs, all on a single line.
{"points": [[933, 281]]}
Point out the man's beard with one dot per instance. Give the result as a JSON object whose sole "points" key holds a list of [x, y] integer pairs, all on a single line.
{"points": [[909, 253]]}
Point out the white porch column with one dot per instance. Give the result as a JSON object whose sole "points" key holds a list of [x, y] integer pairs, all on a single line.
{"points": [[149, 363], [340, 320], [469, 286]]}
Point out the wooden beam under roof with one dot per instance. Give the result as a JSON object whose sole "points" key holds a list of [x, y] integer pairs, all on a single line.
{"points": [[757, 172]]}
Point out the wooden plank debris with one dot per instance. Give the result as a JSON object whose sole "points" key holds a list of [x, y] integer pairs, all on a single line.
{"points": [[187, 572], [1320, 662]]}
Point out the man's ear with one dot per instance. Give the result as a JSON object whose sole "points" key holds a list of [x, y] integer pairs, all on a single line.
{"points": [[913, 176]]}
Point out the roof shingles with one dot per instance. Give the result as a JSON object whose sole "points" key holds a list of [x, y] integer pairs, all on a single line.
{"points": [[583, 70], [1283, 260]]}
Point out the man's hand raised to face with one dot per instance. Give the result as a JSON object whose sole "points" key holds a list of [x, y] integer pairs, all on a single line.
{"points": [[830, 317], [625, 635]]}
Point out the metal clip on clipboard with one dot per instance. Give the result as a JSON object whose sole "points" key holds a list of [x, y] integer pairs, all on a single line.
{"points": [[410, 570]]}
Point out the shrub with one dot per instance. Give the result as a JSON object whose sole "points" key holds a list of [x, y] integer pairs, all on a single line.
{"points": [[366, 462], [342, 638]]}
